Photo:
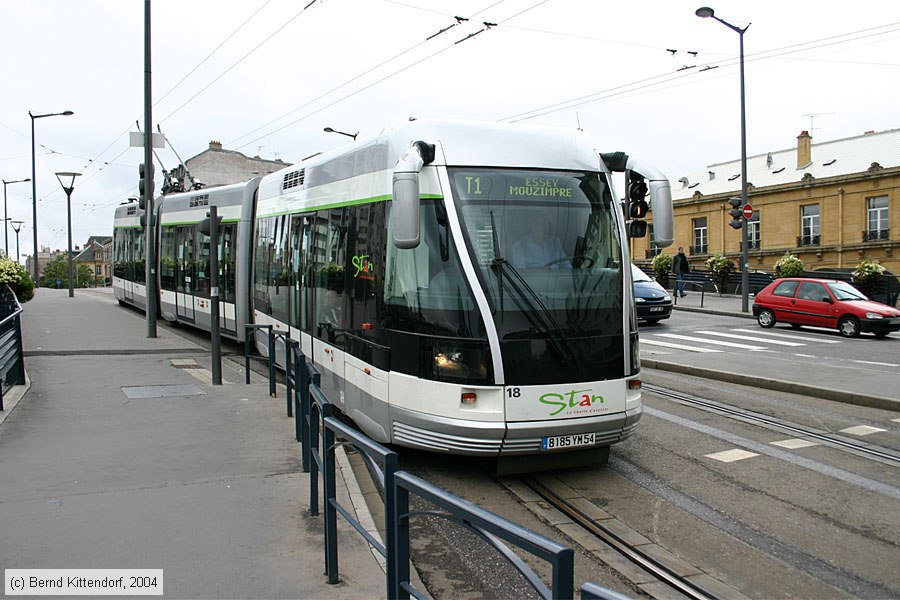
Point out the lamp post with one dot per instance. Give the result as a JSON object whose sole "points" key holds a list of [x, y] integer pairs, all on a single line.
{"points": [[6, 217], [706, 12], [34, 200], [350, 135], [17, 225], [67, 181]]}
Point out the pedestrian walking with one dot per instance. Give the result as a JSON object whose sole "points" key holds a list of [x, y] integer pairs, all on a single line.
{"points": [[680, 266]]}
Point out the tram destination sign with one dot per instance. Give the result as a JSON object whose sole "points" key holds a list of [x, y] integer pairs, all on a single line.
{"points": [[482, 185]]}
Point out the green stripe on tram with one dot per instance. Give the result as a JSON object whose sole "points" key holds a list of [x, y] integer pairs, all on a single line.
{"points": [[372, 200]]}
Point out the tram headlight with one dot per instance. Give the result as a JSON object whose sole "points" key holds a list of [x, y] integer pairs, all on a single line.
{"points": [[458, 362]]}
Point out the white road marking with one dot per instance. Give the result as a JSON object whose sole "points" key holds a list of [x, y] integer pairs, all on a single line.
{"points": [[795, 443], [706, 341], [789, 336], [750, 338], [644, 341], [878, 364], [862, 430], [731, 455]]}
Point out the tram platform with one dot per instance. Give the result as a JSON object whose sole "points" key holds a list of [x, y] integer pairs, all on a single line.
{"points": [[121, 454], [874, 386]]}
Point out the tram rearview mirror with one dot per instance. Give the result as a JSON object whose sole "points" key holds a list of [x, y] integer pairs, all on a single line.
{"points": [[405, 210]]}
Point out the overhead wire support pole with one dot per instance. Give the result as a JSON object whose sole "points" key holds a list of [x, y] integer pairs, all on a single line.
{"points": [[150, 231]]}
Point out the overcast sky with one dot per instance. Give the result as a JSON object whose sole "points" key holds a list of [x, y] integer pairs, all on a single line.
{"points": [[266, 76]]}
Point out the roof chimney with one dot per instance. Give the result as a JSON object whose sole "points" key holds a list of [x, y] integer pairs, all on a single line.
{"points": [[804, 150], [215, 145]]}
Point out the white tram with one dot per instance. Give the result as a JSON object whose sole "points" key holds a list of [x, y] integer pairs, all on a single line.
{"points": [[462, 287]]}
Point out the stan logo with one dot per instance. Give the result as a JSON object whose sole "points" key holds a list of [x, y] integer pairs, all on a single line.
{"points": [[364, 267], [582, 401]]}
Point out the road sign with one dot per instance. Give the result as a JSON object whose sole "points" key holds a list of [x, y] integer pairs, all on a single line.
{"points": [[748, 211]]}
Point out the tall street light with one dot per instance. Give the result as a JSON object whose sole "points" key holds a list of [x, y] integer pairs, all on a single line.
{"points": [[706, 12], [6, 217], [17, 225], [34, 198], [67, 181], [350, 135]]}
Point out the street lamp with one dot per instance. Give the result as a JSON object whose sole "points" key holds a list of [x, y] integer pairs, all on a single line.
{"points": [[5, 216], [34, 200], [706, 12], [351, 135], [67, 181], [17, 225]]}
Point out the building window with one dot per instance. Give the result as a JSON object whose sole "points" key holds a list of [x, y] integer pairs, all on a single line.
{"points": [[809, 225], [700, 245], [654, 249], [877, 219], [753, 236]]}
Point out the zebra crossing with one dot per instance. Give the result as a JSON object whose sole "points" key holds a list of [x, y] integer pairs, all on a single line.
{"points": [[706, 340]]}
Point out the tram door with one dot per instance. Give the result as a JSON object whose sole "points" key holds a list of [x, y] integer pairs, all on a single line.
{"points": [[185, 259]]}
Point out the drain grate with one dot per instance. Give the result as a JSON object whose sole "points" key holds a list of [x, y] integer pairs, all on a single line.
{"points": [[162, 391]]}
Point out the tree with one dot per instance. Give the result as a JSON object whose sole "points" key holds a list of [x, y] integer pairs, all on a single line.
{"points": [[56, 274]]}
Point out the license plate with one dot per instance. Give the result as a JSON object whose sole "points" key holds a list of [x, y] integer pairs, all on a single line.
{"points": [[567, 441], [656, 308]]}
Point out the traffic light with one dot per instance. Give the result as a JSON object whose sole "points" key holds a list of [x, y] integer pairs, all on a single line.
{"points": [[736, 213], [637, 190], [144, 183]]}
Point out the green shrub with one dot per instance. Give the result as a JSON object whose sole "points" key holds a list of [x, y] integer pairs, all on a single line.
{"points": [[789, 266], [17, 278], [867, 272], [662, 263], [719, 265]]}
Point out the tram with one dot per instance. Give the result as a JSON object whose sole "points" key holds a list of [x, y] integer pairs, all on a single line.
{"points": [[462, 287]]}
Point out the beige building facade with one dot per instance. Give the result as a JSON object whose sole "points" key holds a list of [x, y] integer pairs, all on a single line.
{"points": [[832, 204]]}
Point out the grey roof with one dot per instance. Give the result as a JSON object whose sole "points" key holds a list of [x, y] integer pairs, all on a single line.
{"points": [[829, 159]]}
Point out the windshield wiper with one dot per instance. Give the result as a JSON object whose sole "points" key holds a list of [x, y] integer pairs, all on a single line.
{"points": [[535, 311]]}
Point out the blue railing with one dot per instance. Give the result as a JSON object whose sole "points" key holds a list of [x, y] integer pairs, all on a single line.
{"points": [[12, 361], [321, 435]]}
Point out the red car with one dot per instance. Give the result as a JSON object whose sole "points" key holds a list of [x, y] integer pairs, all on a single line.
{"points": [[823, 303]]}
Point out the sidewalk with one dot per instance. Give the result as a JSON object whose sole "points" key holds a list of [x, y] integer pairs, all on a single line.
{"points": [[122, 455], [813, 378]]}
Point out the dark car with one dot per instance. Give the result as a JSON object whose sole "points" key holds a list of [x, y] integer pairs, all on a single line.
{"points": [[652, 301], [823, 303]]}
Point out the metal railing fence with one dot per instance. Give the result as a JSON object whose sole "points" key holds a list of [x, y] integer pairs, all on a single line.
{"points": [[12, 360], [320, 434]]}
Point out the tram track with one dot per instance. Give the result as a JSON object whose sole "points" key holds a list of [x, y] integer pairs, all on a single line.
{"points": [[613, 538], [748, 416]]}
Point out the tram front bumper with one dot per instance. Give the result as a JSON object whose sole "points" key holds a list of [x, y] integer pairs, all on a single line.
{"points": [[457, 436]]}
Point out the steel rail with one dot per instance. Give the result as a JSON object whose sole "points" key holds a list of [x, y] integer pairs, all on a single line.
{"points": [[611, 539], [758, 418]]}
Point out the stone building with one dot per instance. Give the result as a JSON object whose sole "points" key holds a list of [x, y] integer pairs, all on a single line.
{"points": [[832, 204], [217, 166]]}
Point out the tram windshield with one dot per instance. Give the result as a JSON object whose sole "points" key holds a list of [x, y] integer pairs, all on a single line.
{"points": [[548, 254]]}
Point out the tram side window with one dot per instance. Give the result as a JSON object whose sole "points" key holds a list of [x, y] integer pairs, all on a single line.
{"points": [[201, 245], [330, 272], [279, 271], [184, 259], [226, 262], [119, 269], [139, 273], [425, 290], [167, 259], [300, 260], [368, 229], [260, 265]]}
